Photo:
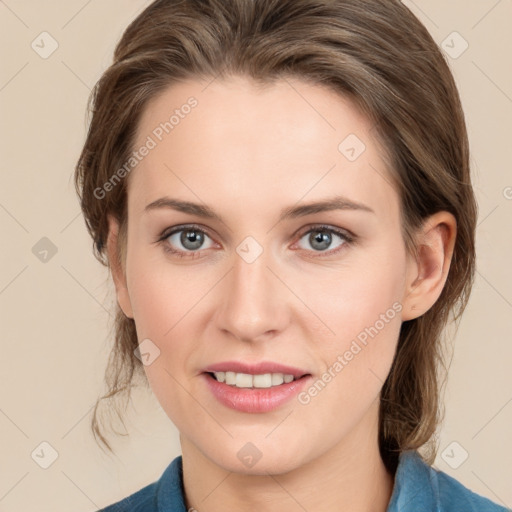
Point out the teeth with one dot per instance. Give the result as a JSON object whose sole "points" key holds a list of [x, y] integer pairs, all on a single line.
{"points": [[243, 380], [246, 380], [277, 379]]}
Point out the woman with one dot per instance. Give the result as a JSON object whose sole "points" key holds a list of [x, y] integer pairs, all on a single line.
{"points": [[281, 190]]}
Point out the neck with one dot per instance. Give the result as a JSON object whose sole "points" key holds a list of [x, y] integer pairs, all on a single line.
{"points": [[349, 476]]}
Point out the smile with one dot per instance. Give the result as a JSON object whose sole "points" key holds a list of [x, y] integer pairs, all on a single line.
{"points": [[246, 380], [254, 393]]}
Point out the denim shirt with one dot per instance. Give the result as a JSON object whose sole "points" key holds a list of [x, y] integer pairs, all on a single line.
{"points": [[418, 488]]}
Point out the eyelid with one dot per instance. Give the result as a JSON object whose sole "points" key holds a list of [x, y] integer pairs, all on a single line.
{"points": [[167, 232], [326, 227]]}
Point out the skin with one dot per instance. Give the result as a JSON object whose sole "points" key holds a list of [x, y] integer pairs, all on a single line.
{"points": [[249, 152]]}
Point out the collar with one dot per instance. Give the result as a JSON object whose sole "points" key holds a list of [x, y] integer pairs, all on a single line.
{"points": [[415, 485]]}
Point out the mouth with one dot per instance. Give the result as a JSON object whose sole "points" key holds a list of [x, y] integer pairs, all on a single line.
{"points": [[255, 392], [255, 381]]}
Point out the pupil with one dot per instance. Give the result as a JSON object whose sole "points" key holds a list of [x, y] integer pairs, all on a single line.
{"points": [[191, 239], [323, 238]]}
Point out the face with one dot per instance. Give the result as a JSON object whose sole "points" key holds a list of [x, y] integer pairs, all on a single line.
{"points": [[263, 278]]}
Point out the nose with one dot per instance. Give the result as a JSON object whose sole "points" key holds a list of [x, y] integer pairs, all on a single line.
{"points": [[252, 302]]}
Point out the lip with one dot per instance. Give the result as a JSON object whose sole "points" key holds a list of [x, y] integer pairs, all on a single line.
{"points": [[255, 400], [256, 368]]}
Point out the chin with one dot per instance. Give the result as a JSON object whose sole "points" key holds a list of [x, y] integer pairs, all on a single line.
{"points": [[257, 458]]}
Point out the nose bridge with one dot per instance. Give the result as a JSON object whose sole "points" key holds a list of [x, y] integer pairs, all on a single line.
{"points": [[252, 305]]}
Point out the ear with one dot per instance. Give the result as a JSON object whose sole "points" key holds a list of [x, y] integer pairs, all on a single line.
{"points": [[426, 275], [118, 274]]}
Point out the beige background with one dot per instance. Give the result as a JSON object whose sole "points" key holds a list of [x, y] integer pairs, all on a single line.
{"points": [[55, 314]]}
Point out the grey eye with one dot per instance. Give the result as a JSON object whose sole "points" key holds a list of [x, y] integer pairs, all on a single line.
{"points": [[191, 239], [321, 239]]}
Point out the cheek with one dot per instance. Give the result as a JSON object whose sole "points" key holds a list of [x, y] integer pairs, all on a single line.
{"points": [[362, 308], [163, 293], [356, 297], [356, 361], [163, 301]]}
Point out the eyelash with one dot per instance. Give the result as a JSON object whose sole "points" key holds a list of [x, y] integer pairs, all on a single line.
{"points": [[348, 238]]}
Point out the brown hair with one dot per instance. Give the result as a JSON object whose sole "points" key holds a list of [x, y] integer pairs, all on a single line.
{"points": [[377, 53]]}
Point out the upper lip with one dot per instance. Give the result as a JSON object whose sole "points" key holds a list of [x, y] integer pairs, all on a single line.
{"points": [[256, 368]]}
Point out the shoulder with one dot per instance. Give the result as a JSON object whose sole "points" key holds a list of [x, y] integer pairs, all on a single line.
{"points": [[164, 494], [427, 489], [453, 495], [143, 500]]}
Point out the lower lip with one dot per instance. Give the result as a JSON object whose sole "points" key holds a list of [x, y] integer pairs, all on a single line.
{"points": [[255, 400]]}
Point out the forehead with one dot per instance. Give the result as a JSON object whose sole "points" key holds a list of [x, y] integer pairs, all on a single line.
{"points": [[237, 139], [241, 108]]}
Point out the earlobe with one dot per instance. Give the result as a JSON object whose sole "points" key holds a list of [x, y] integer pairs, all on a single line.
{"points": [[427, 273], [118, 274]]}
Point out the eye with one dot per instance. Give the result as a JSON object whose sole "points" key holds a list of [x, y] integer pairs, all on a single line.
{"points": [[185, 239], [189, 241], [321, 238]]}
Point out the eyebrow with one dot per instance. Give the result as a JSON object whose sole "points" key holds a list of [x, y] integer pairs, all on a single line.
{"points": [[291, 212]]}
